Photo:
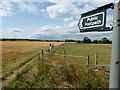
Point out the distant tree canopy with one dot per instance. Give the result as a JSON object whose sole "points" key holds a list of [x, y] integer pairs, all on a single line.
{"points": [[86, 40], [78, 41], [69, 40], [95, 41], [105, 40]]}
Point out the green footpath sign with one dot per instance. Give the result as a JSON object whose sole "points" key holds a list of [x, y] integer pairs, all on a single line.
{"points": [[93, 21]]}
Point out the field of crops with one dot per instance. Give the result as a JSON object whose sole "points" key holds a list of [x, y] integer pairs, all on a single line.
{"points": [[61, 74], [15, 53]]}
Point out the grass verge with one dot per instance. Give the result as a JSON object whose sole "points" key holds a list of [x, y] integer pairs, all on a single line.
{"points": [[40, 75]]}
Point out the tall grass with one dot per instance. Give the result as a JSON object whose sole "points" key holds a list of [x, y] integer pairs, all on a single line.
{"points": [[57, 77]]}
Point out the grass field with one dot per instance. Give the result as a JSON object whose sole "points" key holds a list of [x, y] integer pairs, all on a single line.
{"points": [[15, 53], [41, 75], [84, 50]]}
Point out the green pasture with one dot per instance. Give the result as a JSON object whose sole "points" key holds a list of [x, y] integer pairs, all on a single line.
{"points": [[84, 50]]}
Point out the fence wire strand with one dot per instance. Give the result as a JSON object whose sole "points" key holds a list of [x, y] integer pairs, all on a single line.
{"points": [[56, 65]]}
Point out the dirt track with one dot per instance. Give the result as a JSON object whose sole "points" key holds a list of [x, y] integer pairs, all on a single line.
{"points": [[14, 73]]}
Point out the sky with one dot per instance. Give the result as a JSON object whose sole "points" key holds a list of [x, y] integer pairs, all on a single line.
{"points": [[48, 19]]}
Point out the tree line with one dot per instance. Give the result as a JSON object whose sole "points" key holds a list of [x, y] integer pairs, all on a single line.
{"points": [[6, 39], [88, 40], [85, 40]]}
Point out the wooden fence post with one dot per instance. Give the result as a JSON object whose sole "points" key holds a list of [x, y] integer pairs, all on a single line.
{"points": [[88, 61], [64, 55], [96, 59], [42, 54]]}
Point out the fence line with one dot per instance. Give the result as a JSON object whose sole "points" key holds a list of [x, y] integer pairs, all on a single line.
{"points": [[42, 56], [88, 57], [86, 70], [69, 55], [77, 64], [78, 56]]}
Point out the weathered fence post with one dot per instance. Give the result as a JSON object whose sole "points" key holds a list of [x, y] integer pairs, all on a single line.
{"points": [[88, 60], [96, 59], [42, 54], [64, 55]]}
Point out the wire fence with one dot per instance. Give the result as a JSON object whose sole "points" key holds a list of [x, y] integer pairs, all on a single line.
{"points": [[86, 70], [44, 53]]}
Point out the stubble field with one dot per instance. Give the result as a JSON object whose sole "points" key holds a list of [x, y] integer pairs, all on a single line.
{"points": [[15, 53]]}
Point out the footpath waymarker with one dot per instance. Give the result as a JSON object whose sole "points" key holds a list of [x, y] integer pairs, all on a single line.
{"points": [[95, 20]]}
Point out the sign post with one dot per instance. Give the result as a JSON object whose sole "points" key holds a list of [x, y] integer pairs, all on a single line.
{"points": [[115, 59], [93, 21]]}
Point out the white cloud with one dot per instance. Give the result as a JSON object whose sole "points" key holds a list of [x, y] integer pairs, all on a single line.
{"points": [[14, 33], [60, 9], [25, 1], [68, 19], [68, 31], [55, 1], [28, 7], [16, 30], [10, 8], [43, 10], [6, 9], [73, 10], [47, 32], [5, 13], [72, 24]]}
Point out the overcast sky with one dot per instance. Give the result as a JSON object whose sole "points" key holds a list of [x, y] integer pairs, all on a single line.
{"points": [[51, 19]]}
